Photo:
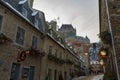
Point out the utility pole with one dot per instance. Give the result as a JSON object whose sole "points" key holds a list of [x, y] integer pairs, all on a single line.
{"points": [[113, 46]]}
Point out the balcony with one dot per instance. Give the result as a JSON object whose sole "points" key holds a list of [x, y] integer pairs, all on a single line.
{"points": [[55, 59]]}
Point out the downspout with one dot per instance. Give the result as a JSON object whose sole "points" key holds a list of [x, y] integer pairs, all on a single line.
{"points": [[40, 69]]}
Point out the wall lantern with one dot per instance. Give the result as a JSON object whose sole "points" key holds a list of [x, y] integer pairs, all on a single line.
{"points": [[103, 53], [101, 62]]}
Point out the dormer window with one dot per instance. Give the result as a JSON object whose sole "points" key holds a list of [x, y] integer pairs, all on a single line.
{"points": [[51, 32], [24, 12], [36, 23]]}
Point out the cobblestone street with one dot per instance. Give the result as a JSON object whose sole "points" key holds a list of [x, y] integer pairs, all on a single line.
{"points": [[92, 77]]}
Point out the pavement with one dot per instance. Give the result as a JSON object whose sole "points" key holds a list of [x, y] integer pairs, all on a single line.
{"points": [[98, 77], [91, 77]]}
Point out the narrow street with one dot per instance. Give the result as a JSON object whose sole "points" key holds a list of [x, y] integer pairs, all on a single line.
{"points": [[59, 39], [92, 77]]}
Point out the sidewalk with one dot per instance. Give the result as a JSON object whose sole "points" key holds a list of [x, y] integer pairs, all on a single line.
{"points": [[78, 78], [90, 77], [84, 78]]}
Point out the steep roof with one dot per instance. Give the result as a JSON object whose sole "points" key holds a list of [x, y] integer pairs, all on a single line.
{"points": [[66, 26], [84, 39], [17, 7]]}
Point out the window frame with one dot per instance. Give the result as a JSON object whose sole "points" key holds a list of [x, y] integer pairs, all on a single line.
{"points": [[49, 72], [20, 34], [56, 53], [49, 49], [34, 43]]}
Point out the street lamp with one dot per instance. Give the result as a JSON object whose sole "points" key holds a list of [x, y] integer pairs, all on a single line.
{"points": [[102, 65], [103, 53], [86, 54], [101, 62]]}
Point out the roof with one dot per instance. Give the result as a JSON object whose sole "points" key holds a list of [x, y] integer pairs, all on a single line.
{"points": [[66, 26], [17, 7], [84, 39], [57, 42]]}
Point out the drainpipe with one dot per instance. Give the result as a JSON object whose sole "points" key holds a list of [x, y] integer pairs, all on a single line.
{"points": [[40, 69], [113, 46]]}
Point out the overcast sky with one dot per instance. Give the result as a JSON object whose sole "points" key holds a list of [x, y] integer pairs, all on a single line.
{"points": [[82, 14]]}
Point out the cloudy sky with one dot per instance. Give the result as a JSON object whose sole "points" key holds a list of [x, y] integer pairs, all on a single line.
{"points": [[82, 14]]}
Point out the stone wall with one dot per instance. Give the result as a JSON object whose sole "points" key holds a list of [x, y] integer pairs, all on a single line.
{"points": [[10, 51]]}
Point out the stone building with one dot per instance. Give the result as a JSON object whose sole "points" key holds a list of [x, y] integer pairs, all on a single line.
{"points": [[94, 51], [67, 30], [25, 31], [95, 68], [25, 48], [60, 59], [79, 44], [114, 12]]}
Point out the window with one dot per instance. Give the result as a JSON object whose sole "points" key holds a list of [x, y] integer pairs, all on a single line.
{"points": [[55, 52], [55, 74], [50, 32], [49, 74], [24, 12], [25, 72], [65, 75], [32, 73], [60, 55], [1, 17], [36, 23], [15, 71], [20, 36], [50, 50], [60, 40], [34, 42]]}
